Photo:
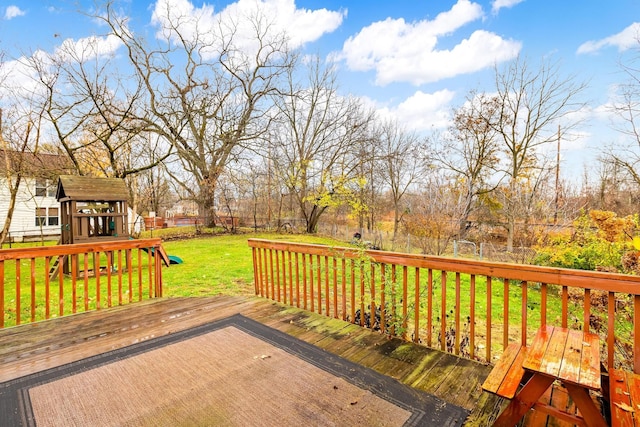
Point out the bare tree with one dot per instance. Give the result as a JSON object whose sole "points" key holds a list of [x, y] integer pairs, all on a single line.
{"points": [[13, 153], [470, 152], [431, 219], [205, 90], [370, 182], [94, 110], [625, 156], [20, 123], [401, 166], [317, 132], [531, 105]]}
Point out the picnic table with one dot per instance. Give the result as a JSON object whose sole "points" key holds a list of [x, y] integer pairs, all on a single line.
{"points": [[556, 354]]}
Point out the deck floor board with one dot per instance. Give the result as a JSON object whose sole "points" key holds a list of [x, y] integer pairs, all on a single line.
{"points": [[31, 348]]}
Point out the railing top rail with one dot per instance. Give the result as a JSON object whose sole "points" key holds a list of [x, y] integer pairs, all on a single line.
{"points": [[610, 282], [78, 248]]}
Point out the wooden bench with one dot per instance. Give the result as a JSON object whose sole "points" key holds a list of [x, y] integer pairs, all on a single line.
{"points": [[506, 375], [624, 395]]}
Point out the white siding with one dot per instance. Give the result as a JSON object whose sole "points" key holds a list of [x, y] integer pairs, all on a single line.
{"points": [[23, 223]]}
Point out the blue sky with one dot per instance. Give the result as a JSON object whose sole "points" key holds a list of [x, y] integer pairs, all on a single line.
{"points": [[413, 60]]}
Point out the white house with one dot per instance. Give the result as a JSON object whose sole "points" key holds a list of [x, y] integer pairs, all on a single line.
{"points": [[37, 212]]}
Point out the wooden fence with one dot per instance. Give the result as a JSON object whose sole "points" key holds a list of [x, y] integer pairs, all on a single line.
{"points": [[471, 308], [98, 275]]}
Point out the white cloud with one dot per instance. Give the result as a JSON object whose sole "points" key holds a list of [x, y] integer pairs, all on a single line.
{"points": [[626, 39], [422, 111], [17, 77], [401, 51], [496, 5], [13, 12], [279, 16], [87, 48]]}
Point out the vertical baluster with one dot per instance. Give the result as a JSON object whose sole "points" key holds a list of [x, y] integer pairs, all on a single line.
{"points": [[47, 291], [265, 266], [458, 331], [565, 306], [344, 288], [327, 293], [74, 283], [362, 311], [264, 279], [443, 311], [109, 255], [304, 280], [488, 326], [18, 296], [353, 291], [611, 332], [429, 307], [372, 314], [319, 277], [129, 256], [284, 277], [33, 289], [543, 304], [416, 309], [119, 277], [311, 285], [297, 280], [335, 287], [86, 281], [505, 314], [96, 269], [290, 278], [383, 296], [150, 267], [277, 281], [158, 273], [472, 317], [405, 296], [256, 271], [60, 286], [394, 290], [273, 289], [523, 327]]}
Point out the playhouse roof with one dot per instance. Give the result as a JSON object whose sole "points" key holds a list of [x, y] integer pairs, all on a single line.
{"points": [[86, 188]]}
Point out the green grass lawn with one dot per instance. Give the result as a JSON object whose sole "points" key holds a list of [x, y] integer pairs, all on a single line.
{"points": [[218, 265]]}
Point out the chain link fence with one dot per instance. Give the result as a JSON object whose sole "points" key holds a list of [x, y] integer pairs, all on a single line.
{"points": [[413, 244]]}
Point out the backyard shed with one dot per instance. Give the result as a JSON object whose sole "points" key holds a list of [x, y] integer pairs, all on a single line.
{"points": [[92, 209]]}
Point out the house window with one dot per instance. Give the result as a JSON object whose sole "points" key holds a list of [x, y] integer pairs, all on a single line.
{"points": [[45, 188], [41, 217], [53, 216], [41, 187]]}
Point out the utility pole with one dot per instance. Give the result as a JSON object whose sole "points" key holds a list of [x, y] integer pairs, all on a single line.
{"points": [[555, 215]]}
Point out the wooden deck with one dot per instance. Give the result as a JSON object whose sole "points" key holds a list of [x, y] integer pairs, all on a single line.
{"points": [[34, 347]]}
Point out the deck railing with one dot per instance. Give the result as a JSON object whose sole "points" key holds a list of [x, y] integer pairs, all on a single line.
{"points": [[471, 308], [50, 281]]}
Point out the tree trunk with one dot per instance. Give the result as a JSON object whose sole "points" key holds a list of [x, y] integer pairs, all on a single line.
{"points": [[396, 221], [13, 192], [511, 227], [314, 218]]}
